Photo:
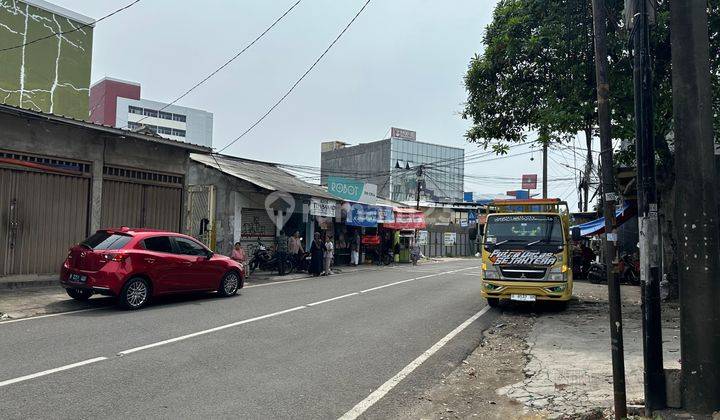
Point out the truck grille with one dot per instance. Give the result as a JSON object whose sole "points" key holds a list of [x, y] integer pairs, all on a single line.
{"points": [[523, 273]]}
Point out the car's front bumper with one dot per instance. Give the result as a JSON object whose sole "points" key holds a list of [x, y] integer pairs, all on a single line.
{"points": [[504, 289]]}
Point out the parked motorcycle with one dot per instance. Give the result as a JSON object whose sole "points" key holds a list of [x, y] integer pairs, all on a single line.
{"points": [[628, 270], [265, 260]]}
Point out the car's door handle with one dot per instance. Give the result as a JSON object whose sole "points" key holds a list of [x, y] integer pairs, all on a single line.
{"points": [[150, 260]]}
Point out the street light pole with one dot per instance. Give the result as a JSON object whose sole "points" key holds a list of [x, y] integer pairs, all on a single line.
{"points": [[654, 377], [608, 185]]}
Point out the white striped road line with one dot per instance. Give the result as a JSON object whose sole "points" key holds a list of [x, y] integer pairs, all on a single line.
{"points": [[376, 395], [208, 331], [51, 371], [49, 315], [332, 299]]}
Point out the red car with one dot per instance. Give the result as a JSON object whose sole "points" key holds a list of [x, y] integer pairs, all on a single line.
{"points": [[137, 264]]}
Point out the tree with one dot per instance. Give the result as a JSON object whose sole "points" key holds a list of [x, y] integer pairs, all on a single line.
{"points": [[536, 74]]}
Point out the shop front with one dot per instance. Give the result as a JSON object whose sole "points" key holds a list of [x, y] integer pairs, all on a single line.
{"points": [[403, 231]]}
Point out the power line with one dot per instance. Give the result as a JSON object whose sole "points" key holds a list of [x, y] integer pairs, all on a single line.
{"points": [[75, 29], [282, 98], [227, 63]]}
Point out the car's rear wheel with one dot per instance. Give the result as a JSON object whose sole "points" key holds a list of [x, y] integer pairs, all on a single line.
{"points": [[79, 294], [230, 284], [135, 294]]}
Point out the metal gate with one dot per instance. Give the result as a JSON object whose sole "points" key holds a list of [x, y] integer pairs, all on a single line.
{"points": [[200, 221], [41, 216], [141, 199]]}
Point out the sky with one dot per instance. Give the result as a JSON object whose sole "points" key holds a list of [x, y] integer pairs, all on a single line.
{"points": [[401, 64]]}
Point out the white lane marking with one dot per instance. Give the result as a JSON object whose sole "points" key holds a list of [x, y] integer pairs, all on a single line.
{"points": [[332, 299], [51, 371], [413, 279], [376, 395], [49, 315], [208, 331]]}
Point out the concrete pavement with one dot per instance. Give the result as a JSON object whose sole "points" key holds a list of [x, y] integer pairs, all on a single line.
{"points": [[305, 348]]}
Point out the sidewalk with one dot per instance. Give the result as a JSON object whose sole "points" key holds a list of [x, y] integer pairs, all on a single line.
{"points": [[43, 296], [538, 363]]}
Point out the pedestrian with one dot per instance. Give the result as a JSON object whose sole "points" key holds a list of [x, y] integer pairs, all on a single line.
{"points": [[238, 254], [355, 249], [329, 254], [281, 251], [415, 252], [317, 249], [295, 248]]}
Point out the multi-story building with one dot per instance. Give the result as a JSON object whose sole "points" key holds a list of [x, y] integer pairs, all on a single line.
{"points": [[51, 75], [394, 165], [117, 103]]}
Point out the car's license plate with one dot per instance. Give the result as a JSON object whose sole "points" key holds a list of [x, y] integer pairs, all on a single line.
{"points": [[523, 298], [78, 278]]}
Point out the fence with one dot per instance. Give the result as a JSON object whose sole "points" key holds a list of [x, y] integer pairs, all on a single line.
{"points": [[464, 246]]}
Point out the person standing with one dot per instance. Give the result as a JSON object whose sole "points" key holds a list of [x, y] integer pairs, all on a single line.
{"points": [[355, 249], [317, 249], [238, 254], [295, 248], [329, 254], [281, 250]]}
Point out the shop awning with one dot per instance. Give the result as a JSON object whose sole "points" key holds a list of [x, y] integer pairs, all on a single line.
{"points": [[406, 218], [597, 226]]}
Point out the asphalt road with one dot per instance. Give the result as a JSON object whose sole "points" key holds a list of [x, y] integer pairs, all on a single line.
{"points": [[309, 348]]}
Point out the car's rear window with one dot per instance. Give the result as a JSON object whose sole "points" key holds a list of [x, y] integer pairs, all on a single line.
{"points": [[104, 240]]}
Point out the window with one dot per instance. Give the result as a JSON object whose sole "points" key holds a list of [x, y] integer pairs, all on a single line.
{"points": [[166, 115], [188, 247], [179, 133], [158, 244], [152, 128], [150, 113], [133, 125], [164, 130], [135, 110], [104, 240], [178, 117]]}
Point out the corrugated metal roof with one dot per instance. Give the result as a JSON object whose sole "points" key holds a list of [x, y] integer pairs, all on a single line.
{"points": [[9, 109], [263, 174]]}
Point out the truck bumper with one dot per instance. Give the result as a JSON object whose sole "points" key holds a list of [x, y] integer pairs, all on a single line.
{"points": [[502, 289]]}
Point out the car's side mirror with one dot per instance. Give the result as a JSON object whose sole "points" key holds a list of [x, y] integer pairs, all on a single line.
{"points": [[576, 234], [209, 254]]}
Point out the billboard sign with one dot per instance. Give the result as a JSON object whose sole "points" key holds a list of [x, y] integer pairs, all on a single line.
{"points": [[323, 207], [352, 190], [402, 134], [529, 182], [449, 238], [362, 215]]}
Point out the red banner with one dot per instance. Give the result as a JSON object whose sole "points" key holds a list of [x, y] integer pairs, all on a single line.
{"points": [[407, 220]]}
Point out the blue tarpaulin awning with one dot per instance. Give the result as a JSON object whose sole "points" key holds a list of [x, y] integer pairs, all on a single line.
{"points": [[597, 226]]}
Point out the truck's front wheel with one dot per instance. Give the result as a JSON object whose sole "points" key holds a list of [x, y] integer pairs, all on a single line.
{"points": [[493, 302]]}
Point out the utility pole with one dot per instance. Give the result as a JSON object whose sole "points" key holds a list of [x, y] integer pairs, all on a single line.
{"points": [[545, 168], [654, 376], [608, 185], [696, 211]]}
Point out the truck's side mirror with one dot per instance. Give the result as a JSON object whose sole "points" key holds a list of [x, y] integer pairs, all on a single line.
{"points": [[576, 234]]}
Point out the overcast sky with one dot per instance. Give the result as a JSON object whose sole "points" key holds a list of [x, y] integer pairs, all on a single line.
{"points": [[401, 64]]}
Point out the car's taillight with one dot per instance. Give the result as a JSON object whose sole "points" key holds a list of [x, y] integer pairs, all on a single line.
{"points": [[117, 257]]}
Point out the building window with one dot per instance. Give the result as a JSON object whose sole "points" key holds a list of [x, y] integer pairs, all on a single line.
{"points": [[178, 117], [153, 128], [164, 130], [135, 110], [179, 133], [150, 113], [133, 125], [166, 115]]}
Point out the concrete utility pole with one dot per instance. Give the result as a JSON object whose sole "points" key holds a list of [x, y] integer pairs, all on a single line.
{"points": [[654, 377], [545, 168], [608, 185], [696, 207]]}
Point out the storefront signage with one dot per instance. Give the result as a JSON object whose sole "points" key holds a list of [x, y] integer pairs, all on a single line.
{"points": [[385, 215], [522, 258], [352, 190], [407, 220], [400, 133], [362, 215], [323, 207], [449, 238]]}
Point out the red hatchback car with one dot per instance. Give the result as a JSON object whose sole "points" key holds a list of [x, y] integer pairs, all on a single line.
{"points": [[137, 264]]}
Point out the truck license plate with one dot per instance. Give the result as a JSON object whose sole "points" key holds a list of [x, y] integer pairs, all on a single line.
{"points": [[523, 298]]}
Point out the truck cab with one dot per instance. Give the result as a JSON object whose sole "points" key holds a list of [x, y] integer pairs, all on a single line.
{"points": [[526, 253]]}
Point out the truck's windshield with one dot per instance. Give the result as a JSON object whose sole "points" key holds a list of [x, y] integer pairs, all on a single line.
{"points": [[523, 229]]}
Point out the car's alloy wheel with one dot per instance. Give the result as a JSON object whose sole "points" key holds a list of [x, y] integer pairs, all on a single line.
{"points": [[230, 284], [135, 294]]}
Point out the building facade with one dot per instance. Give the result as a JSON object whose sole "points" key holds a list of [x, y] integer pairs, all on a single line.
{"points": [[118, 103], [51, 75], [394, 164]]}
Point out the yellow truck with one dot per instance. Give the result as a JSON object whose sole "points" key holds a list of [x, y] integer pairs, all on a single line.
{"points": [[526, 253]]}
